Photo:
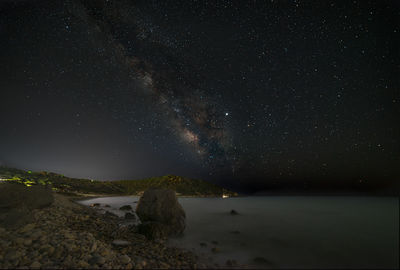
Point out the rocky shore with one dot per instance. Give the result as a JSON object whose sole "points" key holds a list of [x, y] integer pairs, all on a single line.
{"points": [[68, 235]]}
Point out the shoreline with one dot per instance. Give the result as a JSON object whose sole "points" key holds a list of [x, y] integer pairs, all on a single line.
{"points": [[69, 235]]}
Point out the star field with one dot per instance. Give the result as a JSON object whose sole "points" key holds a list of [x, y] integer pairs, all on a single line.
{"points": [[244, 93]]}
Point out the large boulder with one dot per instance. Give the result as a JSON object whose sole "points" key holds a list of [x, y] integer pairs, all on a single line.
{"points": [[17, 201], [160, 213]]}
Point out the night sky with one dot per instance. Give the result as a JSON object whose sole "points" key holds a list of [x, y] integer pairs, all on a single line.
{"points": [[247, 94]]}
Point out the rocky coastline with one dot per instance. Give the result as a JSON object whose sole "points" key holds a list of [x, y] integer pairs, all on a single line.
{"points": [[68, 235]]}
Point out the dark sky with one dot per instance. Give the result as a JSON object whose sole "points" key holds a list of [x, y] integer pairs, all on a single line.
{"points": [[245, 93]]}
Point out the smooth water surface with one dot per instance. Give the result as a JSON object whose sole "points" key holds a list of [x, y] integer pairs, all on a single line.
{"points": [[290, 231]]}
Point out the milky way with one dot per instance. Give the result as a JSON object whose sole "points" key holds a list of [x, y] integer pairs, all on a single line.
{"points": [[193, 115], [251, 94]]}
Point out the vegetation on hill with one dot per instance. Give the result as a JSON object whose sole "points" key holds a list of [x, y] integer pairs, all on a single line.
{"points": [[67, 185]]}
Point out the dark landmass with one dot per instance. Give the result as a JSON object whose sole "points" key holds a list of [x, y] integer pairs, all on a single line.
{"points": [[74, 186], [61, 234]]}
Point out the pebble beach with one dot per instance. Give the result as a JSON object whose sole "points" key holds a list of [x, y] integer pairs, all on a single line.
{"points": [[68, 235]]}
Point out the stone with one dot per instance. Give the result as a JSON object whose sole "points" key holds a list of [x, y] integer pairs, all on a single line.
{"points": [[125, 259], [19, 241], [35, 264], [97, 259], [119, 242], [50, 250], [27, 228], [83, 264], [93, 247], [153, 230], [234, 212], [129, 216], [110, 214], [159, 210], [125, 208], [27, 242]]}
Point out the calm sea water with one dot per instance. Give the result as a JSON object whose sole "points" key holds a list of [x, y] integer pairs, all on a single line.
{"points": [[289, 231]]}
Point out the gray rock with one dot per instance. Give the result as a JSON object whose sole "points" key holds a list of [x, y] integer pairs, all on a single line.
{"points": [[159, 210], [35, 264], [110, 214], [129, 216], [125, 259], [153, 230], [97, 259], [118, 242], [234, 212], [125, 208]]}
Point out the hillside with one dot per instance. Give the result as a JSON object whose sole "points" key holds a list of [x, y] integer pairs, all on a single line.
{"points": [[75, 186]]}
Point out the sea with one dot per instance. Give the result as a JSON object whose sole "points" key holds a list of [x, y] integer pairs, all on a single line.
{"points": [[287, 231]]}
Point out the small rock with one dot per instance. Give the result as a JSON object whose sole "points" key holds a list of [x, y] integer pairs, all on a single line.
{"points": [[19, 241], [27, 242], [125, 259], [83, 264], [35, 264], [164, 265], [119, 242], [27, 228], [105, 252], [36, 235], [110, 214], [93, 247], [97, 259], [50, 250], [203, 244], [107, 205], [125, 208], [69, 236], [129, 216], [234, 212], [95, 205]]}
